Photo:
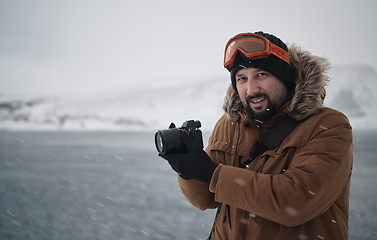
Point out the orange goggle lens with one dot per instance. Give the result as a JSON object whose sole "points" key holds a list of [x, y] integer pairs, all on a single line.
{"points": [[253, 46]]}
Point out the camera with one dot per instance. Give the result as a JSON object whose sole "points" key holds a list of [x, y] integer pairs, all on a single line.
{"points": [[169, 140]]}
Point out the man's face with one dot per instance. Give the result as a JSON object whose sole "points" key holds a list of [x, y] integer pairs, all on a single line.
{"points": [[261, 93]]}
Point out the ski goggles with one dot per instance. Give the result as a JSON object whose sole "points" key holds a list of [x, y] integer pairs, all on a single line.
{"points": [[253, 46]]}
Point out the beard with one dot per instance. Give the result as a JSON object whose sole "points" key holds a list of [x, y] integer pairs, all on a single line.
{"points": [[261, 116]]}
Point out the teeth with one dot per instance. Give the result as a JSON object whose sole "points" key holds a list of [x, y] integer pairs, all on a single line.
{"points": [[257, 101]]}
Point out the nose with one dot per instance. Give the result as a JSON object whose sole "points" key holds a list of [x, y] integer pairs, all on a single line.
{"points": [[252, 88]]}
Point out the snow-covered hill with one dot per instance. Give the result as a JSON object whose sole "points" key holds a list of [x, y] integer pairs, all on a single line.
{"points": [[139, 107], [352, 90]]}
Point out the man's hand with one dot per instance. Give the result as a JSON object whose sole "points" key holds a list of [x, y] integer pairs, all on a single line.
{"points": [[195, 164]]}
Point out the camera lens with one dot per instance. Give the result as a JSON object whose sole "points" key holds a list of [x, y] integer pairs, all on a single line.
{"points": [[159, 142], [168, 141]]}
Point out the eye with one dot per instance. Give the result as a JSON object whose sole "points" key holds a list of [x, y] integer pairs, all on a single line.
{"points": [[241, 79], [262, 75]]}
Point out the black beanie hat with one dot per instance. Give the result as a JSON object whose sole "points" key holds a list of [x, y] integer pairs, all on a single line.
{"points": [[274, 65]]}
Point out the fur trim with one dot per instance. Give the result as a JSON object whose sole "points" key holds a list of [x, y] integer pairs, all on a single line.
{"points": [[309, 93]]}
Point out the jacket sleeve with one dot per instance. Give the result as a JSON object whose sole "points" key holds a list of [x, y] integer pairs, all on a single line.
{"points": [[316, 176], [197, 192]]}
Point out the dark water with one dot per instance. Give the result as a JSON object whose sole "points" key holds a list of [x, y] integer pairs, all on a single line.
{"points": [[103, 185]]}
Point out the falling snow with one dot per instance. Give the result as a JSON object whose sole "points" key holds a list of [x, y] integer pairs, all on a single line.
{"points": [[118, 157], [11, 214], [291, 211], [103, 225], [302, 236], [240, 181], [244, 221]]}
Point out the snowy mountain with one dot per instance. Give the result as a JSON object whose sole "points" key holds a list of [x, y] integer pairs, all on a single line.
{"points": [[352, 90], [144, 107]]}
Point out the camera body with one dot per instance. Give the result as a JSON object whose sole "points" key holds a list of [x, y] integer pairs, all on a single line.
{"points": [[169, 140]]}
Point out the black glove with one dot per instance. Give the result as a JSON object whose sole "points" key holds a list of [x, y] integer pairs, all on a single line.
{"points": [[194, 164]]}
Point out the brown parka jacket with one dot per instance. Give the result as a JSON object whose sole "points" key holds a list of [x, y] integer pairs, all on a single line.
{"points": [[299, 190]]}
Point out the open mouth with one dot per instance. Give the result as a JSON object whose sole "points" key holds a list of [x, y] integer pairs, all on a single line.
{"points": [[257, 100]]}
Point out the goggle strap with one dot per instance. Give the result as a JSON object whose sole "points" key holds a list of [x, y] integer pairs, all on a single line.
{"points": [[279, 52]]}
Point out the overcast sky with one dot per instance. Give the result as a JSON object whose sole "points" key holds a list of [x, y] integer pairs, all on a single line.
{"points": [[77, 46]]}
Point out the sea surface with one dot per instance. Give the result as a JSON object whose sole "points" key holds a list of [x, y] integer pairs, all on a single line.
{"points": [[112, 185]]}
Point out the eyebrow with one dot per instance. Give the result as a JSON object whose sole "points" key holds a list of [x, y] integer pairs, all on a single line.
{"points": [[242, 74], [239, 74]]}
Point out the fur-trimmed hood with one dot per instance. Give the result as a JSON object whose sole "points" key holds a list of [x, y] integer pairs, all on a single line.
{"points": [[309, 93]]}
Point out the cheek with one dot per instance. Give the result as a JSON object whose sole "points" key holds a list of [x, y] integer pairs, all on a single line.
{"points": [[241, 92], [279, 92]]}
